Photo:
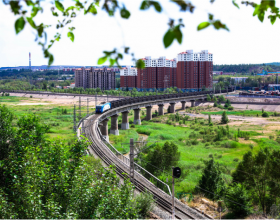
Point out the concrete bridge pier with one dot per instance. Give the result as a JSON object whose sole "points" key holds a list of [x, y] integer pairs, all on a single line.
{"points": [[160, 109], [137, 119], [183, 105], [114, 125], [148, 113], [172, 107], [192, 103], [104, 129], [125, 124]]}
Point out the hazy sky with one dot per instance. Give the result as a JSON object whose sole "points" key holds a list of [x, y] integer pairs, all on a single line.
{"points": [[248, 41]]}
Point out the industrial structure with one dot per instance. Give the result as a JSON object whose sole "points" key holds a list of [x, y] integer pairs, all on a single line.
{"points": [[189, 72], [103, 78], [29, 60]]}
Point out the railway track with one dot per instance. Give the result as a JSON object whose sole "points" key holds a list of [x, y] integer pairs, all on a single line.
{"points": [[162, 199]]}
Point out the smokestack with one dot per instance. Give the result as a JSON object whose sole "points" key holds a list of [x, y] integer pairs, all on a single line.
{"points": [[29, 60]]}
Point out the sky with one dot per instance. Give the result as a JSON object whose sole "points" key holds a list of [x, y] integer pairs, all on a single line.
{"points": [[248, 41]]}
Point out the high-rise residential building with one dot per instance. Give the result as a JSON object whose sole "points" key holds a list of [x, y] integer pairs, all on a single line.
{"points": [[194, 70], [103, 78], [157, 74], [128, 77]]}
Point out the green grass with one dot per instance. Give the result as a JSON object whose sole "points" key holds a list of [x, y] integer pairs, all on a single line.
{"points": [[240, 113], [61, 124], [192, 156]]}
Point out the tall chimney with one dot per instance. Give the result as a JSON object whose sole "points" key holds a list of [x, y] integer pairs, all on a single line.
{"points": [[29, 60]]}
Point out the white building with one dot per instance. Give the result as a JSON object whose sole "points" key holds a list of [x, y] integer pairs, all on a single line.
{"points": [[128, 71], [189, 55], [160, 62]]}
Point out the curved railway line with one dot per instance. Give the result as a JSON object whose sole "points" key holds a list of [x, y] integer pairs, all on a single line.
{"points": [[98, 147]]}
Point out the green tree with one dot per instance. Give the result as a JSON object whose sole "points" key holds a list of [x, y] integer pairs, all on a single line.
{"points": [[211, 183], [161, 158], [239, 200], [222, 98], [208, 98], [49, 179], [257, 172], [209, 119], [215, 99], [224, 119]]}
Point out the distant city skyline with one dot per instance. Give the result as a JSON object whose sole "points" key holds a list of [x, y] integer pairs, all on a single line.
{"points": [[248, 42]]}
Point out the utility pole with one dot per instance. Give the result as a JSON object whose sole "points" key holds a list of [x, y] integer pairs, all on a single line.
{"points": [[131, 172], [80, 108], [95, 100], [173, 192], [87, 108], [119, 95], [74, 120]]}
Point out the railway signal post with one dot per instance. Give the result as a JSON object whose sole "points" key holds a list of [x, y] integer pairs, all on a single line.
{"points": [[131, 155], [176, 173]]}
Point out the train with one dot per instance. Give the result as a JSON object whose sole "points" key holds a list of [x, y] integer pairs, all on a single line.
{"points": [[128, 101], [102, 108]]}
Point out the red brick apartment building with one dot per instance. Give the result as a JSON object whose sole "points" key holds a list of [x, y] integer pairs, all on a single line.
{"points": [[103, 78], [193, 71]]}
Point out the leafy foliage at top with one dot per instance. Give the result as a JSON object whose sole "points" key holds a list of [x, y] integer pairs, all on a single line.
{"points": [[28, 10]]}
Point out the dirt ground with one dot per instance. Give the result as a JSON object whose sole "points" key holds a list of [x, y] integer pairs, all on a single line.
{"points": [[44, 99]]}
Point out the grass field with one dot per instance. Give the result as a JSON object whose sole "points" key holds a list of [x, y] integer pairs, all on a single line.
{"points": [[61, 124], [239, 113], [192, 156]]}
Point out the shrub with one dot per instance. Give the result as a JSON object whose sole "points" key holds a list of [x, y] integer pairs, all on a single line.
{"points": [[143, 131], [235, 159], [180, 122], [180, 139], [194, 142], [145, 204], [242, 205], [132, 126], [271, 137], [265, 115], [31, 96], [211, 124], [210, 155], [215, 104], [230, 108]]}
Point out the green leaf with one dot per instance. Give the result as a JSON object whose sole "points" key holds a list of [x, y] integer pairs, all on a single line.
{"points": [[31, 22], [50, 59], [140, 64], [112, 62], [59, 6], [168, 38], [125, 13], [178, 34], [272, 18], [102, 60], [203, 25], [71, 36], [157, 6], [146, 5], [218, 24], [19, 24], [235, 4]]}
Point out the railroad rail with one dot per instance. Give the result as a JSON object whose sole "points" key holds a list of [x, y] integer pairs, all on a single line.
{"points": [[110, 156]]}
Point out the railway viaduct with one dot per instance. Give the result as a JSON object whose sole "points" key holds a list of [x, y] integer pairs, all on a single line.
{"points": [[95, 129], [124, 110]]}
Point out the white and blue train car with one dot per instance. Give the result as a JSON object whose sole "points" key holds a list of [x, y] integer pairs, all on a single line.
{"points": [[102, 108]]}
